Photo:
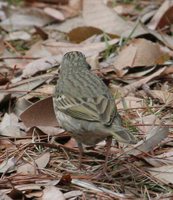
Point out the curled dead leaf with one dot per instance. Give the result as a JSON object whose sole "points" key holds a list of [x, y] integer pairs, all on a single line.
{"points": [[154, 137], [40, 114], [137, 54], [33, 166], [163, 16]]}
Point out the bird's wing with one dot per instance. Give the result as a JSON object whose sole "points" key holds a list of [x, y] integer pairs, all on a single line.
{"points": [[101, 108]]}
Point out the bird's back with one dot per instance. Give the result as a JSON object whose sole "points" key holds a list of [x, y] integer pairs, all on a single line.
{"points": [[86, 84]]}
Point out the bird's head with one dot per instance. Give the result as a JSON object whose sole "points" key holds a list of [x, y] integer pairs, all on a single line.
{"points": [[74, 60]]}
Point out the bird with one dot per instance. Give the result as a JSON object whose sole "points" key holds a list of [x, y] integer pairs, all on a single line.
{"points": [[85, 107]]}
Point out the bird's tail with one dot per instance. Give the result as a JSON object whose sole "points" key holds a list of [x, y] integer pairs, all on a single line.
{"points": [[121, 134]]}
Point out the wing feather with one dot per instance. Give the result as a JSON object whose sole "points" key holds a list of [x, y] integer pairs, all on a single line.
{"points": [[101, 108]]}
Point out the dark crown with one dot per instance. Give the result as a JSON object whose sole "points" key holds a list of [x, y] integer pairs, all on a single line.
{"points": [[73, 55]]}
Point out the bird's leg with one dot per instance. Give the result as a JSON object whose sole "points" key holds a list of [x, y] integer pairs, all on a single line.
{"points": [[108, 147], [104, 171], [80, 154]]}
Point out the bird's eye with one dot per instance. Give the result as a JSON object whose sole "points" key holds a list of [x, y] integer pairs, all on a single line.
{"points": [[88, 66]]}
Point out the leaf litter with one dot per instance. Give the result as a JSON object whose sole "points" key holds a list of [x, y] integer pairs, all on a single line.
{"points": [[38, 159]]}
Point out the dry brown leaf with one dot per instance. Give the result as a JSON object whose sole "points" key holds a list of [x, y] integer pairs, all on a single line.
{"points": [[51, 131], [68, 25], [5, 143], [24, 141], [25, 18], [3, 196], [163, 16], [18, 64], [125, 9], [139, 72], [147, 16], [21, 105], [40, 114], [8, 165], [140, 52], [74, 193], [33, 166], [53, 193], [46, 89], [71, 10], [41, 64], [168, 70], [165, 158], [154, 137], [167, 154], [75, 4], [31, 187], [71, 143], [130, 102], [147, 120], [133, 86], [98, 15], [142, 30], [37, 50], [10, 126], [22, 87], [30, 191], [18, 35], [80, 34], [164, 97], [93, 62], [54, 13], [90, 186], [163, 174], [157, 162], [165, 39]]}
